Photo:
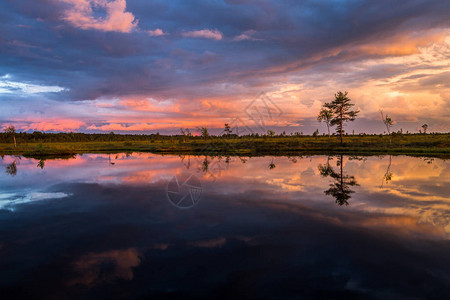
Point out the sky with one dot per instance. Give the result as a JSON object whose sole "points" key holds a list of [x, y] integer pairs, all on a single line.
{"points": [[141, 66]]}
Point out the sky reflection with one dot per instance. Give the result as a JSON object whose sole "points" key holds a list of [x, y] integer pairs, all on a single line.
{"points": [[417, 187], [263, 226]]}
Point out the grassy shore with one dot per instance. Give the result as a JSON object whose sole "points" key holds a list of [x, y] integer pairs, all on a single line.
{"points": [[424, 145]]}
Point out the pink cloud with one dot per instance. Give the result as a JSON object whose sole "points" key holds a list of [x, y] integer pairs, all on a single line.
{"points": [[156, 32], [52, 125], [205, 34], [122, 127], [117, 19], [246, 35]]}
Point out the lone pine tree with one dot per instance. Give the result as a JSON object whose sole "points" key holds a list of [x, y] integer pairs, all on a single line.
{"points": [[341, 110]]}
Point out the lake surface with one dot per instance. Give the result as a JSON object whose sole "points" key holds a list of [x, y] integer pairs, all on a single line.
{"points": [[147, 226]]}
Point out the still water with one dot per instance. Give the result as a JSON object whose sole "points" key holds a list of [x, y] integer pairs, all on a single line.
{"points": [[148, 226]]}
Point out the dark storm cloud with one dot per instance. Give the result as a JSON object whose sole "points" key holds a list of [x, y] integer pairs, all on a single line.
{"points": [[38, 46]]}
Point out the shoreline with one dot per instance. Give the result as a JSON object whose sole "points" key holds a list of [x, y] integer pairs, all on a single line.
{"points": [[412, 145]]}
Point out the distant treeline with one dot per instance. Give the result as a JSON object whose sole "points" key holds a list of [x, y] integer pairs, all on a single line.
{"points": [[37, 136]]}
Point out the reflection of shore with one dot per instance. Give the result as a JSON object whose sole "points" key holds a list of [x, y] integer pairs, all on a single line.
{"points": [[340, 189]]}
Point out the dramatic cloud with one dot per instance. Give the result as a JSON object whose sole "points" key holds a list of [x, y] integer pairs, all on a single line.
{"points": [[90, 61]]}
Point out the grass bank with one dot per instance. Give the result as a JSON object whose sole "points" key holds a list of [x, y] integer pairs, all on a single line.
{"points": [[423, 145]]}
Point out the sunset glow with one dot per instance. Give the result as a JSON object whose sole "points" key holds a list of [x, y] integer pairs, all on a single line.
{"points": [[156, 66]]}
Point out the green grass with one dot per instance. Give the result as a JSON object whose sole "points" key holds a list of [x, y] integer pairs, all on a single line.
{"points": [[424, 145]]}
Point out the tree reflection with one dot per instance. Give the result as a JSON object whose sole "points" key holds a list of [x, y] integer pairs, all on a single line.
{"points": [[428, 160], [205, 165], [187, 164], [110, 161], [388, 174], [272, 165], [11, 169], [340, 189], [211, 166], [41, 163], [292, 159]]}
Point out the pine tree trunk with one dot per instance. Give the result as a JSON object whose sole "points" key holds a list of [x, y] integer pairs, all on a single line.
{"points": [[14, 137], [389, 133]]}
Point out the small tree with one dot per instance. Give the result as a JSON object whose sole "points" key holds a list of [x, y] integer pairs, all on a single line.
{"points": [[227, 129], [183, 133], [270, 133], [325, 115], [425, 127], [316, 133], [204, 132], [388, 122], [11, 130], [340, 108]]}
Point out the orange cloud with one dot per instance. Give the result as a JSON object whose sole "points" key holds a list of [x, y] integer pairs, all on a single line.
{"points": [[149, 104], [401, 45], [90, 266]]}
